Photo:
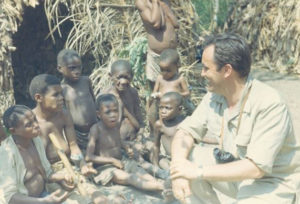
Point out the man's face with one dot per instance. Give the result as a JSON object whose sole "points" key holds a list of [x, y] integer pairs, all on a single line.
{"points": [[53, 98], [121, 79], [168, 69], [109, 114], [27, 126], [168, 108], [72, 69], [213, 77]]}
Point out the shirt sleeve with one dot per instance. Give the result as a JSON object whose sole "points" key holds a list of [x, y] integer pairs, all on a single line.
{"points": [[196, 124], [271, 127], [8, 175]]}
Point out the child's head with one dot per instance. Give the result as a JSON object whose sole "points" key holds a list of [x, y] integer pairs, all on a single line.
{"points": [[69, 64], [46, 90], [108, 109], [170, 105], [169, 62], [21, 121], [121, 74]]}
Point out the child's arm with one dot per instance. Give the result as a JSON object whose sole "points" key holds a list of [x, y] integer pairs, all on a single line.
{"points": [[90, 151], [137, 109], [70, 134], [170, 14], [150, 15], [185, 92], [156, 147], [91, 88], [155, 92], [131, 118]]}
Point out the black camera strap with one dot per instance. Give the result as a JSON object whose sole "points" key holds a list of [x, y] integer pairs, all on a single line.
{"points": [[239, 120]]}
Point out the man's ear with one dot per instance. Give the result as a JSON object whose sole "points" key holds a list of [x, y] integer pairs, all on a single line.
{"points": [[38, 97], [228, 69]]}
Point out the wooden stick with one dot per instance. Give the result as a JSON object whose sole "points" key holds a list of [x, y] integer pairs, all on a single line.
{"points": [[67, 164]]}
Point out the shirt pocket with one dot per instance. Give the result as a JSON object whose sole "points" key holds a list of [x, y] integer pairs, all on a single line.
{"points": [[243, 138]]}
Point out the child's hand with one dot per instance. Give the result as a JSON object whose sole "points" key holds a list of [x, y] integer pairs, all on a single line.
{"points": [[156, 95], [88, 169], [117, 163], [55, 198]]}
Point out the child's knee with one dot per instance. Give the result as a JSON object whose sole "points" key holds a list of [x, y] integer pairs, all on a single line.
{"points": [[98, 198]]}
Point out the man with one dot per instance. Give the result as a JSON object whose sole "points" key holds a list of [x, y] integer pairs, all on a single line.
{"points": [[254, 125]]}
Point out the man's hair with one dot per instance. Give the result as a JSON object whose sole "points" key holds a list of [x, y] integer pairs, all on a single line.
{"points": [[40, 83], [12, 115], [169, 55], [230, 49], [120, 65], [65, 54], [105, 98], [174, 96]]}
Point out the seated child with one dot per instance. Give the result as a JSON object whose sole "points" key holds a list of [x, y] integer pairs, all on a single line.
{"points": [[24, 169], [46, 90], [106, 153], [78, 95], [170, 106], [130, 117], [169, 81]]}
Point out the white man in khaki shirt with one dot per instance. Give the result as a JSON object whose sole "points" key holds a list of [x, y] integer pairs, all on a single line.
{"points": [[251, 122]]}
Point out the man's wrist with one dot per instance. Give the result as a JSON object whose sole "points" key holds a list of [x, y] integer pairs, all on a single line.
{"points": [[200, 173]]}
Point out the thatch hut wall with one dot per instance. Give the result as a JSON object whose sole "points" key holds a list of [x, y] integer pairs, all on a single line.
{"points": [[10, 16], [272, 28]]}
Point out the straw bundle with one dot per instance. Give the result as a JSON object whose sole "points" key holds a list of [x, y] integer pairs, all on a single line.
{"points": [[272, 28], [10, 16]]}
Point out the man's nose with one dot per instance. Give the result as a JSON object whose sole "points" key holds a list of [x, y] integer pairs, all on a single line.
{"points": [[124, 81], [203, 72]]}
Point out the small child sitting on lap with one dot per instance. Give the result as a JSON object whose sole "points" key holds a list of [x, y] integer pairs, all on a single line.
{"points": [[78, 95], [170, 107]]}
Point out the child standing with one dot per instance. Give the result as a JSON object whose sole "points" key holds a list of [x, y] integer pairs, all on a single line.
{"points": [[78, 94]]}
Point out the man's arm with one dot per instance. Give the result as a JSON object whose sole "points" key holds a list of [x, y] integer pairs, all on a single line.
{"points": [[53, 198], [152, 15]]}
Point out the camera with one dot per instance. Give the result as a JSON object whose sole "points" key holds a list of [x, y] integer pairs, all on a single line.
{"points": [[222, 156]]}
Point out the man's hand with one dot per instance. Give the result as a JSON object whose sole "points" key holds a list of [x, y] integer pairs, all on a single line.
{"points": [[181, 189], [55, 198], [185, 169], [117, 163]]}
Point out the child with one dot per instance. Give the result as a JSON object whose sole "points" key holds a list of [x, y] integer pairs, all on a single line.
{"points": [[160, 24], [46, 90], [130, 116], [78, 95], [165, 128], [105, 150], [169, 81], [24, 169]]}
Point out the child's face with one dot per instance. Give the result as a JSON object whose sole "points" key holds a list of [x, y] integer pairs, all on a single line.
{"points": [[168, 69], [168, 108], [121, 79], [72, 69], [27, 126], [109, 114], [53, 98]]}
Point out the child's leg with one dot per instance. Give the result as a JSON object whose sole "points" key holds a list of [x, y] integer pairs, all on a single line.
{"points": [[124, 178]]}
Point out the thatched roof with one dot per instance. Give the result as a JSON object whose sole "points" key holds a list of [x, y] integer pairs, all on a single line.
{"points": [[272, 28]]}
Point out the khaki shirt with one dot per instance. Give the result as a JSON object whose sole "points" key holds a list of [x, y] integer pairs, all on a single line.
{"points": [[12, 167], [265, 136]]}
